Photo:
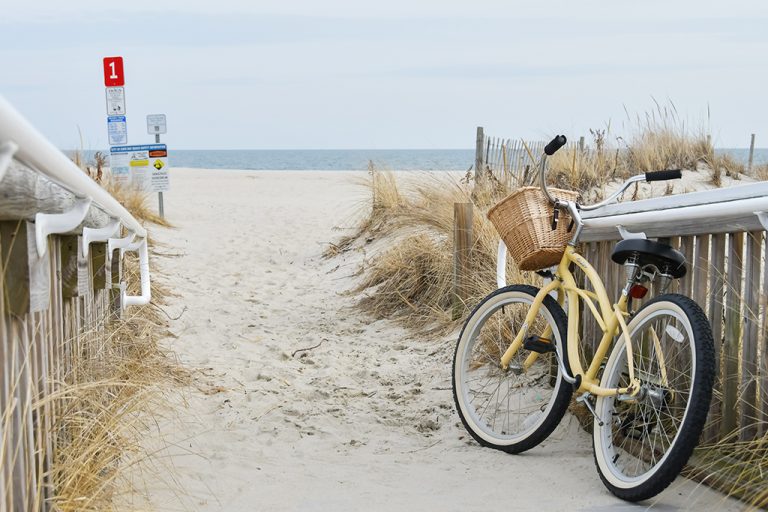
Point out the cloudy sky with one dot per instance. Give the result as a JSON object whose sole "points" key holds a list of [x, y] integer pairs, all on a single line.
{"points": [[395, 74]]}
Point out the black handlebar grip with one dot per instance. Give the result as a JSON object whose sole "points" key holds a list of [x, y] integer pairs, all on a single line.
{"points": [[672, 174], [555, 144]]}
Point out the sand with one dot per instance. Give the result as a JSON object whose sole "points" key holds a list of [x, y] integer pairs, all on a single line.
{"points": [[300, 402]]}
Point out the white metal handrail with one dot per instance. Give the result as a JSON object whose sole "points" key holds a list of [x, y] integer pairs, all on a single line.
{"points": [[37, 152], [21, 141], [146, 293]]}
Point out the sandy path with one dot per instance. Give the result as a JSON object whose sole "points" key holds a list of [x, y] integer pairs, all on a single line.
{"points": [[365, 421]]}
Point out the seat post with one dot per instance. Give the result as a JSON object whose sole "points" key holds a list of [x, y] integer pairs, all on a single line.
{"points": [[632, 270]]}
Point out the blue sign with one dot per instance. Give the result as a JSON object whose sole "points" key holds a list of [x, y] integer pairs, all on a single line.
{"points": [[117, 130], [144, 147]]}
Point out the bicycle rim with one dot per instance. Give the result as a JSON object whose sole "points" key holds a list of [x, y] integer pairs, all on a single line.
{"points": [[505, 407], [639, 436]]}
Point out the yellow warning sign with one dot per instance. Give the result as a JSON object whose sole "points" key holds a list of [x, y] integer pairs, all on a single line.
{"points": [[158, 164]]}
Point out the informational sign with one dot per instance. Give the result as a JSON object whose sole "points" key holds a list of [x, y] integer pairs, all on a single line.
{"points": [[115, 101], [145, 167], [117, 130], [113, 72], [156, 124]]}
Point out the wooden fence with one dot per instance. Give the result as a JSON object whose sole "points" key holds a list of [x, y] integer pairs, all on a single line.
{"points": [[511, 161], [54, 311], [40, 338], [58, 288], [722, 235], [727, 278]]}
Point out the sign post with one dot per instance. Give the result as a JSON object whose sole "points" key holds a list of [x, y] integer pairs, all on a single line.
{"points": [[156, 125], [117, 129], [144, 167]]}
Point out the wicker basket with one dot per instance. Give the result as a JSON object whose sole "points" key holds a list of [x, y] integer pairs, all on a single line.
{"points": [[524, 221]]}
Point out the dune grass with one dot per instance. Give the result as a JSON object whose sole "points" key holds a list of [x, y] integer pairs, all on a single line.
{"points": [[110, 400], [113, 387], [659, 139], [408, 234], [736, 467]]}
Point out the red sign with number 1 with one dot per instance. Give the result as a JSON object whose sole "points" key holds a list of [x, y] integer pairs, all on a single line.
{"points": [[113, 72]]}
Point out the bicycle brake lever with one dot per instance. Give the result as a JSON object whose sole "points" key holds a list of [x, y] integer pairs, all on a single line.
{"points": [[555, 215]]}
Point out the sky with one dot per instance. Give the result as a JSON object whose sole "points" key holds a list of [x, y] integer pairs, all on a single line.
{"points": [[335, 74]]}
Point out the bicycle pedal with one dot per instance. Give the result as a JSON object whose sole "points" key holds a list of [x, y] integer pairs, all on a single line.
{"points": [[538, 344]]}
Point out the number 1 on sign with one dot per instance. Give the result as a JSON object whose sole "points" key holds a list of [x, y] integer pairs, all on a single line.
{"points": [[113, 72]]}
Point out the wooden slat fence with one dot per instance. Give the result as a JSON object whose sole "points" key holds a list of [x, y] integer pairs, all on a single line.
{"points": [[511, 161], [727, 278], [54, 311]]}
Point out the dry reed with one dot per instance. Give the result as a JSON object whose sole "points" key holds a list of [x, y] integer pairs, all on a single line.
{"points": [[735, 467], [659, 140], [409, 272], [114, 392]]}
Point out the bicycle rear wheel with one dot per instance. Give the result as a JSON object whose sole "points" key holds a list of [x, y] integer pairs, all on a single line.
{"points": [[644, 443], [515, 409]]}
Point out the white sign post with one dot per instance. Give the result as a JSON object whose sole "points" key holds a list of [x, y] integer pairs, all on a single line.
{"points": [[117, 130], [156, 125], [115, 101]]}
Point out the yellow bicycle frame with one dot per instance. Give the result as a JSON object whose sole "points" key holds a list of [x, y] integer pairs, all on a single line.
{"points": [[610, 318]]}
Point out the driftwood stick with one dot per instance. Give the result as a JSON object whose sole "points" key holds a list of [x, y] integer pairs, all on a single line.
{"points": [[306, 349]]}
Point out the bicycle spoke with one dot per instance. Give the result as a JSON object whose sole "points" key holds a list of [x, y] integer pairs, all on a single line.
{"points": [[641, 433], [506, 403]]}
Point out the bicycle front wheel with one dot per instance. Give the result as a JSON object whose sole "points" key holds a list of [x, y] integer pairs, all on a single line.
{"points": [[645, 441], [516, 408]]}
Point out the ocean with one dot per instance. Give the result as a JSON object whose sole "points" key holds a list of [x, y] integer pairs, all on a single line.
{"points": [[352, 159], [327, 159]]}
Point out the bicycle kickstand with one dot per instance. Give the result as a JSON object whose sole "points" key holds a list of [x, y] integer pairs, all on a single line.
{"points": [[584, 398]]}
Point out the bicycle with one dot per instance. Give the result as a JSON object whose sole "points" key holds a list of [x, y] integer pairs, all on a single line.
{"points": [[518, 361]]}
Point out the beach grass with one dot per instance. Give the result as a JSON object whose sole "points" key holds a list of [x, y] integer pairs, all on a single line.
{"points": [[409, 275], [115, 392]]}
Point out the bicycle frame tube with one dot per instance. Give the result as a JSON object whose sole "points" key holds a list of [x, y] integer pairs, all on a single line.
{"points": [[532, 312], [610, 319]]}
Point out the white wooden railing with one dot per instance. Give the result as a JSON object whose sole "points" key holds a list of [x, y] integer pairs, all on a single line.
{"points": [[20, 141]]}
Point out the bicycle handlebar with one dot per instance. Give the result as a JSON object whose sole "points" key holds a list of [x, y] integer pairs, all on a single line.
{"points": [[560, 140], [672, 174], [555, 144], [572, 207]]}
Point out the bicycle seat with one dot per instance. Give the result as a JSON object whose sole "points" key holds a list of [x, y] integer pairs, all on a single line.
{"points": [[662, 256]]}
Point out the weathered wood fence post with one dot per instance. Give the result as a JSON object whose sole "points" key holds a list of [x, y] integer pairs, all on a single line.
{"points": [[479, 155], [462, 246], [372, 172], [751, 153]]}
